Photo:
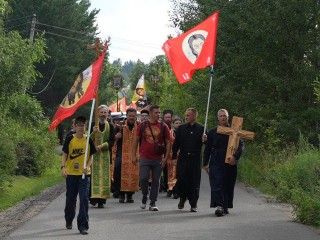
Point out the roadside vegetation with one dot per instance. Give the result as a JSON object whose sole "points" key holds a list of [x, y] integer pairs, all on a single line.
{"points": [[21, 187], [292, 175]]}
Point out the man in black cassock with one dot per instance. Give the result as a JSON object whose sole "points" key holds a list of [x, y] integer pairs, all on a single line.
{"points": [[222, 175], [189, 139]]}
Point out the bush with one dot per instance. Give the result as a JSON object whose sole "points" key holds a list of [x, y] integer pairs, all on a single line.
{"points": [[34, 153], [8, 158], [27, 147], [291, 175]]}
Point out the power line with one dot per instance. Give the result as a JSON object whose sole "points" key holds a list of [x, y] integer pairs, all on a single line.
{"points": [[135, 42], [66, 29], [44, 87], [18, 25], [9, 20], [59, 35]]}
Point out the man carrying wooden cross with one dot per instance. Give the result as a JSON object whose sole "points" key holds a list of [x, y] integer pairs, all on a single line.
{"points": [[221, 155]]}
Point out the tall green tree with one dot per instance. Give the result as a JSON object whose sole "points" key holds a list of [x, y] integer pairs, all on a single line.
{"points": [[266, 62], [68, 27]]}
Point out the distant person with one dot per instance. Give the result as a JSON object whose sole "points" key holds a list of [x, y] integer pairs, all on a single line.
{"points": [[172, 175], [72, 128], [72, 168], [144, 115], [167, 119], [222, 175]]}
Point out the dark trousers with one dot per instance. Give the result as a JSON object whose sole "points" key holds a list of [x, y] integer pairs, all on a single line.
{"points": [[117, 174], [76, 185], [165, 179], [145, 167], [189, 177], [222, 182]]}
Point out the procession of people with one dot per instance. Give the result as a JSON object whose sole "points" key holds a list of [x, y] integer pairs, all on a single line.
{"points": [[141, 152]]}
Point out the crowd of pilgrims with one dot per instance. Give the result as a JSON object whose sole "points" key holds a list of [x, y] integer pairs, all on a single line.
{"points": [[150, 151]]}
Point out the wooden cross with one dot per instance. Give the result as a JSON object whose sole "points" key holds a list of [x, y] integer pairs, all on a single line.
{"points": [[235, 132]]}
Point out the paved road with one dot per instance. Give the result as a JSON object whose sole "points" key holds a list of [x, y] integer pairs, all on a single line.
{"points": [[251, 219]]}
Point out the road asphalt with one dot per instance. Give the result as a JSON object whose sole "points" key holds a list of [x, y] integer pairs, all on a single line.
{"points": [[252, 218]]}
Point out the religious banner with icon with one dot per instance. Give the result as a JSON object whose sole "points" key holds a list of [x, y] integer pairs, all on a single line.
{"points": [[194, 49], [83, 90], [139, 95]]}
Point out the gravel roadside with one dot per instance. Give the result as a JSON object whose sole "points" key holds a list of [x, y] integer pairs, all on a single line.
{"points": [[17, 215]]}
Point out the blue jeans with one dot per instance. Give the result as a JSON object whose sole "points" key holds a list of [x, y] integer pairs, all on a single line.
{"points": [[145, 167], [76, 185]]}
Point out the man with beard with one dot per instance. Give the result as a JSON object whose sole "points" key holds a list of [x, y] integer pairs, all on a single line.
{"points": [[222, 176], [189, 139], [126, 175], [100, 174]]}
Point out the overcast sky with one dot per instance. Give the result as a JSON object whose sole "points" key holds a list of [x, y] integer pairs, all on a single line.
{"points": [[138, 28]]}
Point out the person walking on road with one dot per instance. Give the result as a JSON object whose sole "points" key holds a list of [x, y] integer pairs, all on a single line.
{"points": [[154, 139], [72, 168], [222, 175]]}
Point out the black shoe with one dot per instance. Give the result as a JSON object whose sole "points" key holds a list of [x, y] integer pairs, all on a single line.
{"points": [[130, 200], [226, 211], [115, 195], [121, 198], [169, 194], [100, 205], [219, 211], [181, 203], [84, 231], [68, 225], [93, 203], [175, 196]]}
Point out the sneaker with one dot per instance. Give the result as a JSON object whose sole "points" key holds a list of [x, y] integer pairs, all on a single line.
{"points": [[226, 211], [181, 203], [84, 231], [219, 211], [194, 209], [153, 207], [68, 225], [143, 205]]}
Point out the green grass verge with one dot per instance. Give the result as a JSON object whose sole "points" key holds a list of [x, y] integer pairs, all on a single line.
{"points": [[291, 175], [20, 187]]}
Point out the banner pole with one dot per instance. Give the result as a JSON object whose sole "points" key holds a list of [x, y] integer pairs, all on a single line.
{"points": [[208, 103], [88, 136]]}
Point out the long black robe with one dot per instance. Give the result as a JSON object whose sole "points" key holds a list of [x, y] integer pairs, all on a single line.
{"points": [[222, 175], [189, 141]]}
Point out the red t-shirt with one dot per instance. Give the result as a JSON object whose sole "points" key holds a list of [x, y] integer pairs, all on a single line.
{"points": [[147, 148]]}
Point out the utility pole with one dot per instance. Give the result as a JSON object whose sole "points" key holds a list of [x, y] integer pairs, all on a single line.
{"points": [[32, 30], [96, 47], [33, 27]]}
